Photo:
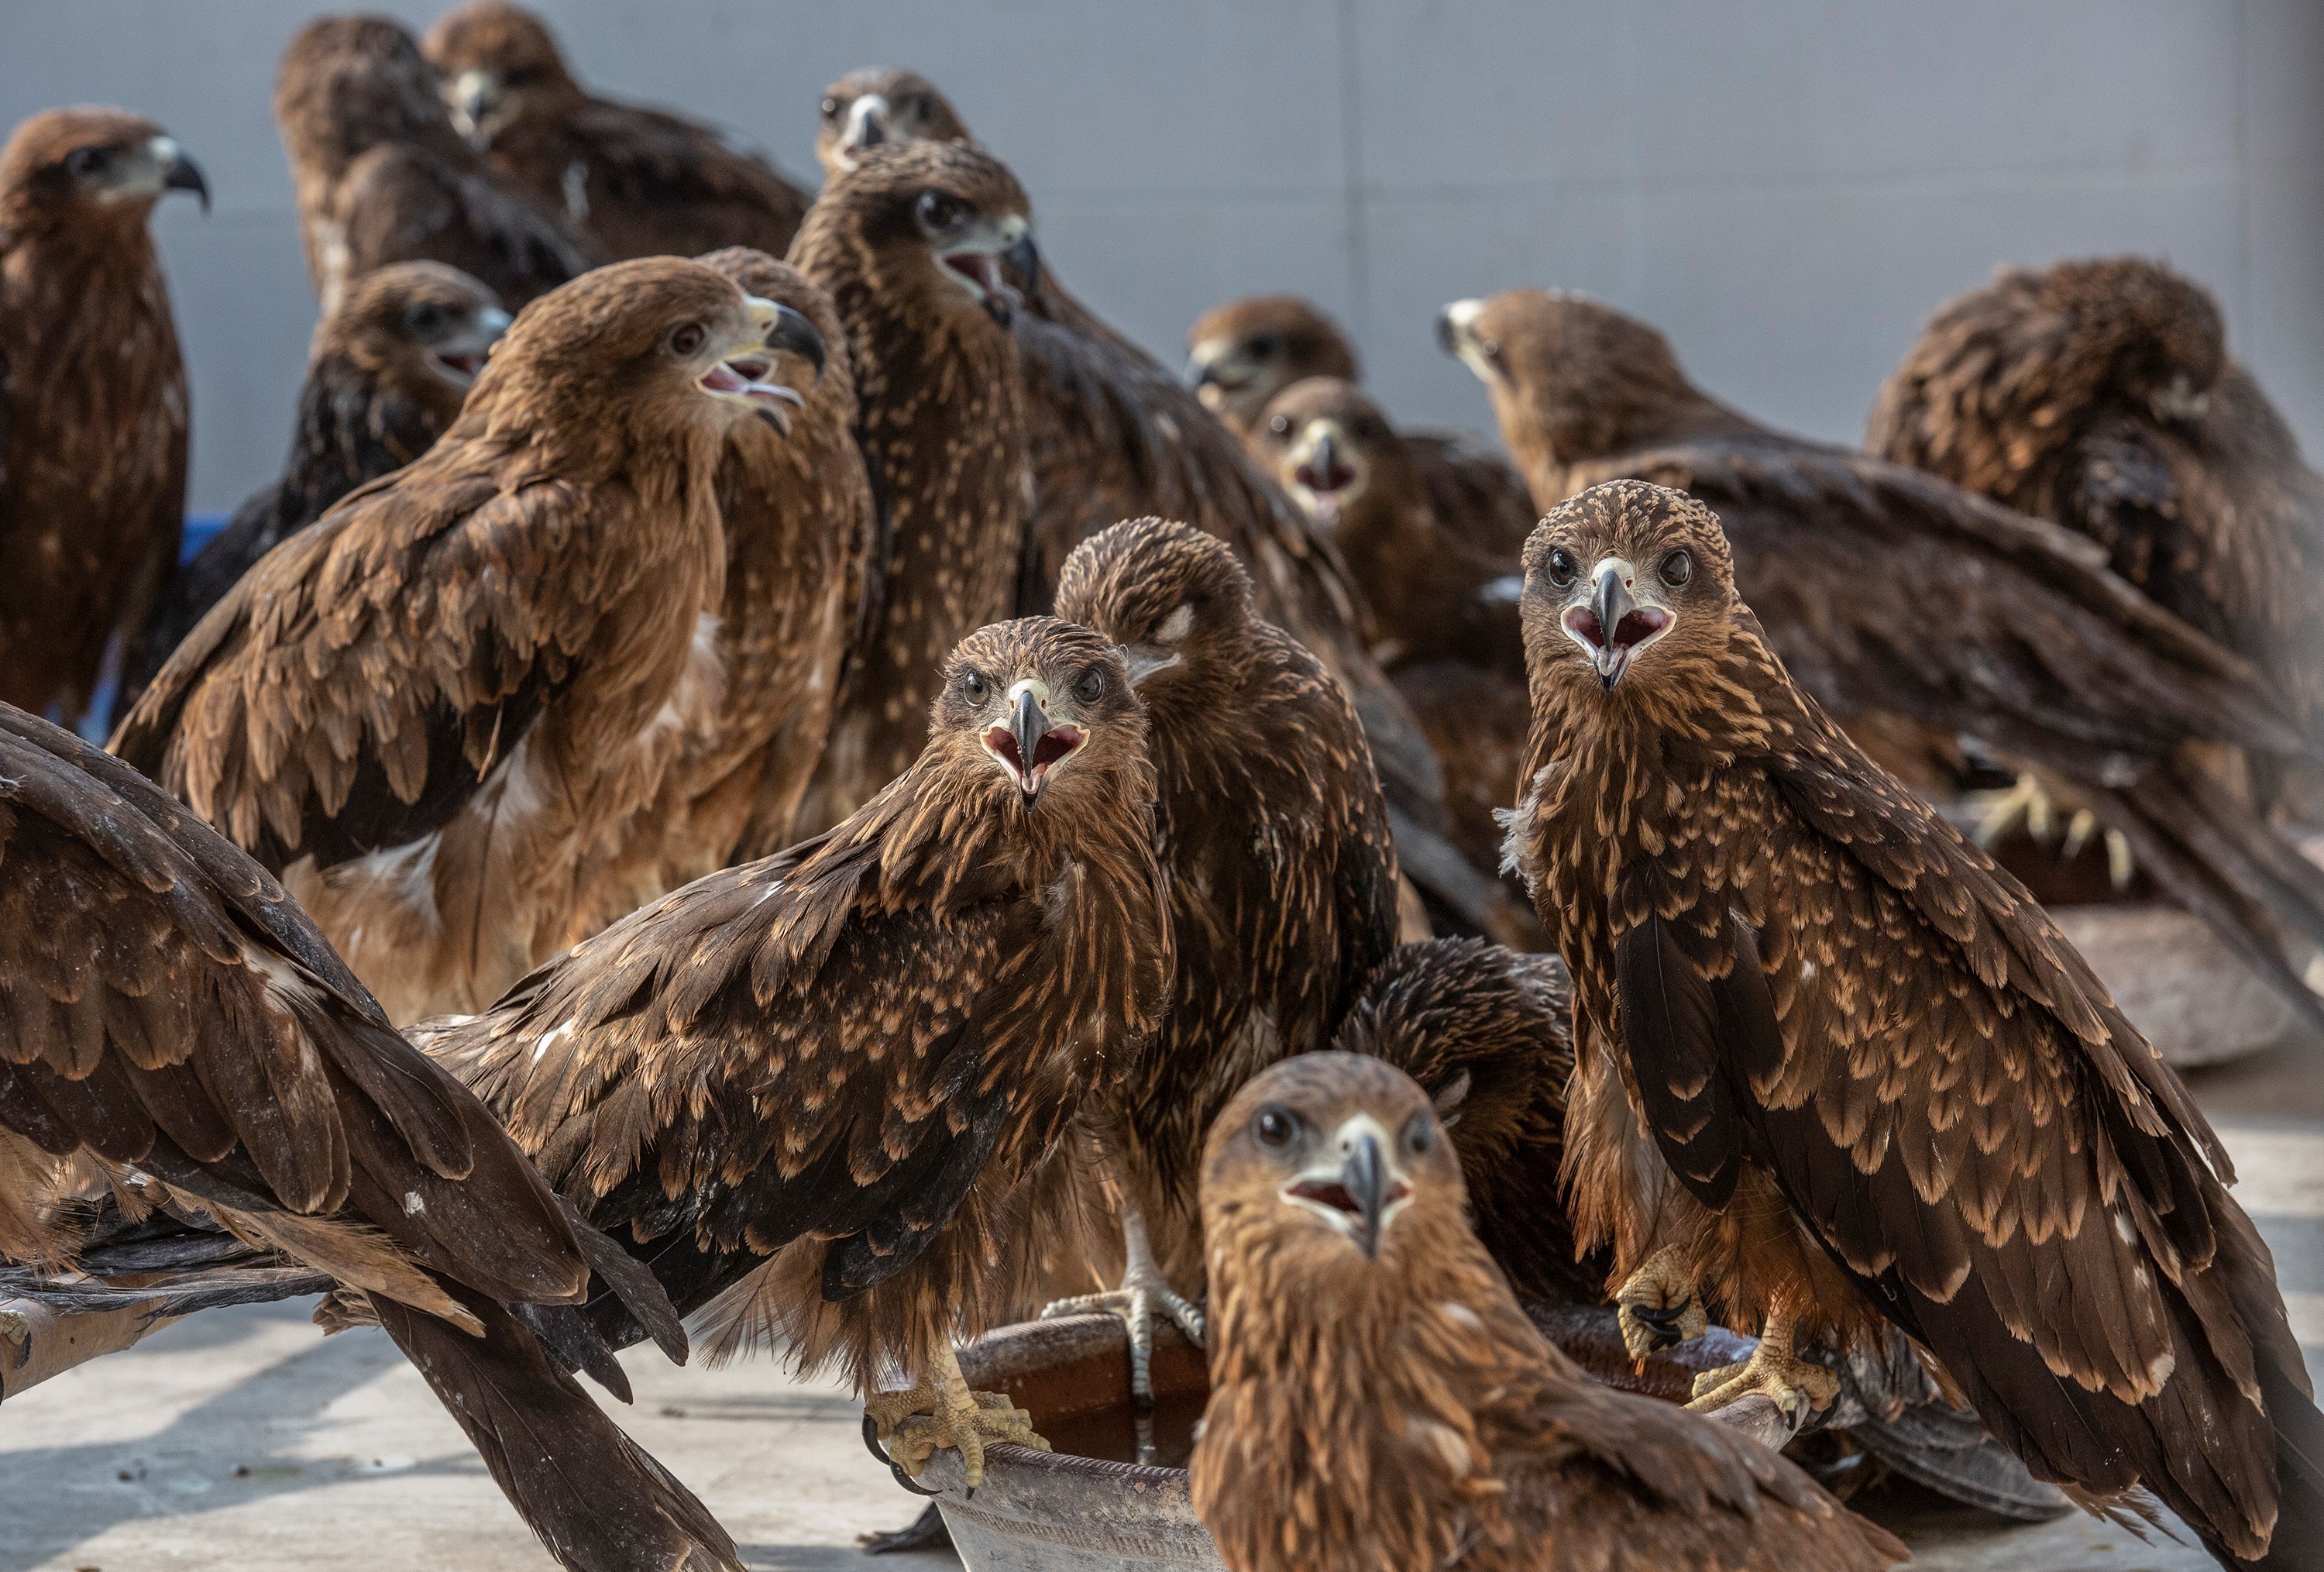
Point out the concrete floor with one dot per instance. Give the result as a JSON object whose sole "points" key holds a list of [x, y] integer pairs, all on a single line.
{"points": [[245, 1440]]}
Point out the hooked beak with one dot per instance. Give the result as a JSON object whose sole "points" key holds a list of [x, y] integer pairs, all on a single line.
{"points": [[1323, 472], [867, 127], [1612, 625], [1030, 747], [982, 264], [1216, 372], [1456, 334], [742, 375], [460, 358], [473, 98], [179, 172], [1361, 1196]]}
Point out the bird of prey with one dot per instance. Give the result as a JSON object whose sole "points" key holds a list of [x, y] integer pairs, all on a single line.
{"points": [[381, 176], [911, 245], [634, 182], [426, 708], [829, 1089], [92, 399], [1835, 1067], [385, 375], [2100, 396], [1241, 355], [1283, 876], [1444, 604], [172, 1027], [1917, 613], [1378, 1400], [797, 514], [1487, 1031]]}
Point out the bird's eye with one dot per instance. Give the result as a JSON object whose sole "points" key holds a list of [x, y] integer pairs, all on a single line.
{"points": [[973, 684], [687, 338], [1562, 569], [1264, 347], [917, 106], [1089, 686], [1490, 348], [426, 317], [1275, 1126], [939, 211], [1678, 568], [1419, 1135], [1280, 425], [831, 108], [85, 161]]}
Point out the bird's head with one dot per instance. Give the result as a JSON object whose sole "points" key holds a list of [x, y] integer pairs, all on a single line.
{"points": [[347, 84], [819, 367], [1628, 584], [1571, 378], [1330, 447], [1241, 354], [495, 64], [102, 168], [2153, 338], [940, 222], [1324, 1165], [1040, 712], [1176, 601], [667, 343], [420, 326], [882, 104]]}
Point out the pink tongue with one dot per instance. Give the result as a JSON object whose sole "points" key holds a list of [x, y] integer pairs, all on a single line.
{"points": [[720, 378]]}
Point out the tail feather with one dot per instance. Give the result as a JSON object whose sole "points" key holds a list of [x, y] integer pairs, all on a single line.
{"points": [[597, 1500]]}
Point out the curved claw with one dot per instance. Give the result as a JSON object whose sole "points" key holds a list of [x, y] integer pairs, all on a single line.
{"points": [[871, 1444]]}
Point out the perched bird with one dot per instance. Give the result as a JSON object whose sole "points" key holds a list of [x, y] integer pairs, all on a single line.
{"points": [[1917, 613], [1378, 1400], [385, 375], [2100, 396], [1282, 876], [799, 525], [880, 104], [1487, 1031], [1443, 606], [381, 176], [427, 707], [92, 399], [1241, 354], [634, 182], [830, 1090], [911, 245], [174, 1027], [1835, 1067]]}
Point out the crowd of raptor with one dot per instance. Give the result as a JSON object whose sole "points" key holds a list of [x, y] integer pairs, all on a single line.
{"points": [[818, 797]]}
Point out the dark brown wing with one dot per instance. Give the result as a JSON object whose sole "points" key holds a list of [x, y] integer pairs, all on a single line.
{"points": [[1473, 490], [399, 203], [1855, 999], [645, 183]]}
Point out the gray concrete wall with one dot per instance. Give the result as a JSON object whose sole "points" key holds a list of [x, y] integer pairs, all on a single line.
{"points": [[1786, 187]]}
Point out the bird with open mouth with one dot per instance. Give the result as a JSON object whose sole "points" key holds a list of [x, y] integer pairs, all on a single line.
{"points": [[1030, 747], [1609, 614], [747, 374]]}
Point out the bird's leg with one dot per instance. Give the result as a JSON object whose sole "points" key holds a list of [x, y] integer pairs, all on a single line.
{"points": [[1657, 1307], [2027, 802], [1143, 1288], [942, 1412], [1775, 1369]]}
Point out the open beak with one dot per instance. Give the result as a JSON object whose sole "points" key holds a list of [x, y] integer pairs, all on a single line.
{"points": [[1362, 1194], [474, 96], [1030, 747], [1216, 373], [179, 172], [1612, 625], [1324, 471], [867, 127], [744, 375], [983, 264], [460, 358]]}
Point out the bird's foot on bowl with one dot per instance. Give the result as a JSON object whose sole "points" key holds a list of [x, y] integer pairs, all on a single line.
{"points": [[1657, 1307], [919, 1423], [1794, 1385], [1144, 1290], [2030, 803]]}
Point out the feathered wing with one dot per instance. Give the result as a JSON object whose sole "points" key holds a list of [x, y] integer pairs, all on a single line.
{"points": [[400, 203], [646, 183], [1473, 490], [1890, 596], [1951, 1102]]}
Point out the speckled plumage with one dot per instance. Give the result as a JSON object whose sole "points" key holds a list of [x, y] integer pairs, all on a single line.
{"points": [[427, 708], [92, 407], [381, 176], [1850, 1070], [1244, 353], [834, 1081], [634, 182], [375, 399], [1917, 612], [1400, 1411], [1269, 822], [172, 1023]]}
